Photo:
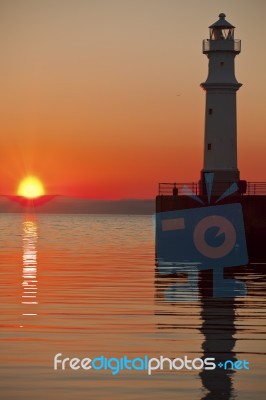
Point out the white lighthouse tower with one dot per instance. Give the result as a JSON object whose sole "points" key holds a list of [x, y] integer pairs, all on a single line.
{"points": [[220, 142]]}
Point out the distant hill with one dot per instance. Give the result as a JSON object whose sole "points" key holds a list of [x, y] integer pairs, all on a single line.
{"points": [[69, 205]]}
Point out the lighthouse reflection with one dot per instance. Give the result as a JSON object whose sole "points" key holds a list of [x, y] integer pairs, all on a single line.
{"points": [[29, 268], [218, 329], [215, 317]]}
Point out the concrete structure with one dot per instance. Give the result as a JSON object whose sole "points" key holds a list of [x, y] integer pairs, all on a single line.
{"points": [[220, 142]]}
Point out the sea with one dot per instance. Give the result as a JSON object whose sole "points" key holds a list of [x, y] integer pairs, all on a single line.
{"points": [[86, 315]]}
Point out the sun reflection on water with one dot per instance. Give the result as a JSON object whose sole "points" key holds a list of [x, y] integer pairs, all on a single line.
{"points": [[29, 273]]}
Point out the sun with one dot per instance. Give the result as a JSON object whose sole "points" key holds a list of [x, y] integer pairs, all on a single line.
{"points": [[31, 188]]}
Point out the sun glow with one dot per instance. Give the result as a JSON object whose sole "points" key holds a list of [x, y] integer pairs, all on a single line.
{"points": [[31, 188]]}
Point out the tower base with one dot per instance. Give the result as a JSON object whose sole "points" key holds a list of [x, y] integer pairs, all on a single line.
{"points": [[223, 179]]}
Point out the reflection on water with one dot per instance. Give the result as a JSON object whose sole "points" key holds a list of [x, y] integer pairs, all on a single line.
{"points": [[29, 274], [222, 322], [218, 330], [99, 294]]}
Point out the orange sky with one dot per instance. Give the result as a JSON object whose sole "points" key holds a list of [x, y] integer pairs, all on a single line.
{"points": [[88, 93]]}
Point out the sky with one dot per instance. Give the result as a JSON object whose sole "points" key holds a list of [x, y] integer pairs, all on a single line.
{"points": [[102, 99]]}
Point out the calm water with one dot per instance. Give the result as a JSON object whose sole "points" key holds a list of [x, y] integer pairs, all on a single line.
{"points": [[85, 286]]}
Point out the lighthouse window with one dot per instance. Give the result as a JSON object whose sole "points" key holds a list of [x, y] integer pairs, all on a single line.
{"points": [[210, 111], [209, 146]]}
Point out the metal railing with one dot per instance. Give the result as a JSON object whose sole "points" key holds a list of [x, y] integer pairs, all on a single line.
{"points": [[237, 45], [166, 189], [221, 45], [256, 188]]}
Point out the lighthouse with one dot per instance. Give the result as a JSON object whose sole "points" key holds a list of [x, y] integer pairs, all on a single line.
{"points": [[219, 187], [221, 85]]}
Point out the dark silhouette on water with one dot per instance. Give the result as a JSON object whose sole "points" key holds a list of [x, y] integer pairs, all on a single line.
{"points": [[218, 319], [218, 329]]}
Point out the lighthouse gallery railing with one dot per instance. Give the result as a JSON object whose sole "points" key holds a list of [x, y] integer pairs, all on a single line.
{"points": [[166, 189], [221, 45]]}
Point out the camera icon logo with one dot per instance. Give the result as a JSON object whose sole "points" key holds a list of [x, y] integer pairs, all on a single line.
{"points": [[205, 237], [210, 237]]}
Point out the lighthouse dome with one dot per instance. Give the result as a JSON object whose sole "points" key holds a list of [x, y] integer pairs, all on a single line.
{"points": [[222, 23]]}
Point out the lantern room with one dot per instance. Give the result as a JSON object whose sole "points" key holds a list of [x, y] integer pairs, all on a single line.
{"points": [[221, 29]]}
